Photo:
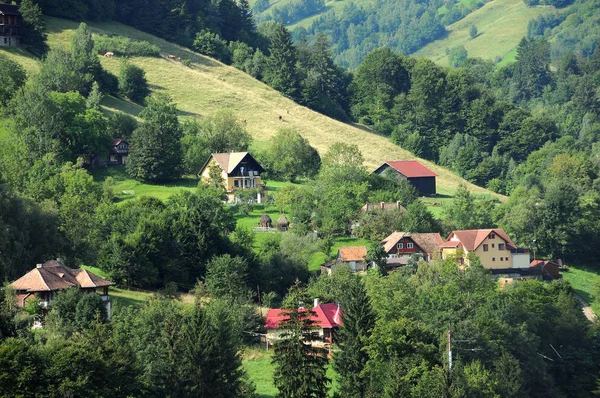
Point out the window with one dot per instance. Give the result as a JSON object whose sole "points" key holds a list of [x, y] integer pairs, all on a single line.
{"points": [[485, 247], [493, 258], [506, 258], [400, 245], [501, 258], [493, 245], [492, 236], [409, 245], [236, 183], [500, 246], [5, 40]]}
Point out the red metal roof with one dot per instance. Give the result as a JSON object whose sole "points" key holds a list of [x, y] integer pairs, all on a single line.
{"points": [[324, 316], [411, 168]]}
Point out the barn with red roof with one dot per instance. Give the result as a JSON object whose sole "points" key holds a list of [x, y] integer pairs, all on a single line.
{"points": [[418, 175]]}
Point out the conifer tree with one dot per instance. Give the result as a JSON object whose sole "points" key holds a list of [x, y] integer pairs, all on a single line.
{"points": [[359, 320], [33, 27], [282, 74], [299, 367]]}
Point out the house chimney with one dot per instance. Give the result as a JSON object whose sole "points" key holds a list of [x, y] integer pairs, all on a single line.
{"points": [[316, 302], [38, 266]]}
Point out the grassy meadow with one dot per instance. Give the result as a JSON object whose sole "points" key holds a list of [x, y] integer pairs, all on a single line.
{"points": [[121, 297], [208, 86], [501, 25], [584, 279]]}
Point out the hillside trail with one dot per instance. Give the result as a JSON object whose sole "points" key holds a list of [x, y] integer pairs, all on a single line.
{"points": [[587, 310]]}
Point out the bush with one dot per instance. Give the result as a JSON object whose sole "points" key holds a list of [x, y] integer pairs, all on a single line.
{"points": [[124, 46], [211, 44], [132, 82]]}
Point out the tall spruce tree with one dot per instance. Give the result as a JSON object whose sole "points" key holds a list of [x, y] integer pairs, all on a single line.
{"points": [[156, 153], [299, 366], [33, 27], [358, 320], [282, 74]]}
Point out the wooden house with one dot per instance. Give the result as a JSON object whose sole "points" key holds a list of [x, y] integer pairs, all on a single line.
{"points": [[45, 280], [414, 172], [238, 170], [10, 22], [117, 155], [550, 270], [495, 249], [399, 246], [327, 318]]}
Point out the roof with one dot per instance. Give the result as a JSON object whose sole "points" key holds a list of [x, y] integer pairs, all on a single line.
{"points": [[352, 253], [471, 239], [450, 244], [411, 168], [9, 9], [117, 141], [54, 275], [542, 263], [282, 220], [324, 316], [428, 242]]}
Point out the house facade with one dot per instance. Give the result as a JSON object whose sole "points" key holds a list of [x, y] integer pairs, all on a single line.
{"points": [[495, 249], [238, 170], [10, 22], [399, 246], [45, 280], [414, 172], [327, 319]]}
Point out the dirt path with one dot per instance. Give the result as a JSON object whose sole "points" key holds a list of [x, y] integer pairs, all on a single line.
{"points": [[587, 310]]}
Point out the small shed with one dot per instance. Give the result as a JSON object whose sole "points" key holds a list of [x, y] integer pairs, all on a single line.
{"points": [[283, 223], [265, 221]]}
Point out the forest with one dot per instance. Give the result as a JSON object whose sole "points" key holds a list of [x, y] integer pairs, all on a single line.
{"points": [[529, 130]]}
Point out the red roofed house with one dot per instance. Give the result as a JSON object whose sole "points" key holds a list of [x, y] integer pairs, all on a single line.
{"points": [[399, 246], [549, 269], [326, 317], [493, 247], [418, 175], [46, 279]]}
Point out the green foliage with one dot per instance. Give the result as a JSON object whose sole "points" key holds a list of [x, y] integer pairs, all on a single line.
{"points": [[32, 29], [467, 212], [281, 73], [227, 276], [124, 46], [299, 366], [291, 156], [473, 31], [13, 77], [155, 153], [132, 82], [211, 44], [457, 55]]}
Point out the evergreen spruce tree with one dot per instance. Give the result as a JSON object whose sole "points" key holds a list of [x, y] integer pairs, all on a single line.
{"points": [[156, 153], [282, 74], [299, 367], [33, 27], [358, 321]]}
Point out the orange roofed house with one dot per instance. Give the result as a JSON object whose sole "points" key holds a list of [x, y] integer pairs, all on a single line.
{"points": [[46, 279], [418, 175], [399, 246], [327, 318], [353, 256], [239, 170], [495, 249]]}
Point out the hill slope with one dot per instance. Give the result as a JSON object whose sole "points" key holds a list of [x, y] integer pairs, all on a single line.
{"points": [[501, 25], [210, 85]]}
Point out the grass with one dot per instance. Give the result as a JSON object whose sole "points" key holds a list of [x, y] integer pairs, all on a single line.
{"points": [[583, 279], [319, 258], [501, 25], [209, 86], [121, 297], [127, 188], [258, 366]]}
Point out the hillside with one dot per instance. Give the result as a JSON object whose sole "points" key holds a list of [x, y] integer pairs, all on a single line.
{"points": [[501, 25], [210, 85]]}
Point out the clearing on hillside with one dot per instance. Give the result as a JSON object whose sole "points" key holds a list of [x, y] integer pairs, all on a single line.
{"points": [[209, 85], [501, 25]]}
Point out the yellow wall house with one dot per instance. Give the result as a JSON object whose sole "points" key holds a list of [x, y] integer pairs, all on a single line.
{"points": [[493, 247], [239, 170]]}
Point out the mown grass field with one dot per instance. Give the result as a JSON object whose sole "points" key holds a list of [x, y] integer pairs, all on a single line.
{"points": [[584, 279], [257, 363], [209, 86], [501, 25], [121, 297]]}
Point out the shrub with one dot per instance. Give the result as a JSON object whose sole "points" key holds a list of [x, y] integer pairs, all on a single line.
{"points": [[124, 46], [132, 82]]}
